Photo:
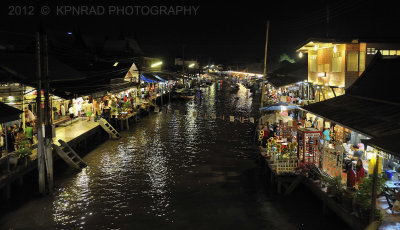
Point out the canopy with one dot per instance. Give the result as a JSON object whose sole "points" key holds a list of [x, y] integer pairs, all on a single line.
{"points": [[275, 117], [151, 78], [280, 106], [8, 113]]}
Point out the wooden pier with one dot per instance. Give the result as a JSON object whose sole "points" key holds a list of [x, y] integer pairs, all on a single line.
{"points": [[285, 184]]}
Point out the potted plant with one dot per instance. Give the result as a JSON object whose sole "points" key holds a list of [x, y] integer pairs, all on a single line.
{"points": [[363, 196], [335, 187]]}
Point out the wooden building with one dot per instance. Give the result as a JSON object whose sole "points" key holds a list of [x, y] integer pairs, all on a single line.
{"points": [[335, 64]]}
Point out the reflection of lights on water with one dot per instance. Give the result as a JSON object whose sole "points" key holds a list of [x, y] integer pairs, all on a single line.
{"points": [[241, 99], [74, 198]]}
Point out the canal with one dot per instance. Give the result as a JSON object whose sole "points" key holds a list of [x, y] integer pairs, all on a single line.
{"points": [[174, 171]]}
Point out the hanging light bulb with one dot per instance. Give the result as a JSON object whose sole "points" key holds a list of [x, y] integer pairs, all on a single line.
{"points": [[300, 55], [315, 47], [335, 49]]}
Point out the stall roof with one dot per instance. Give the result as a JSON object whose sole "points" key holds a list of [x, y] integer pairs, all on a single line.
{"points": [[8, 113], [23, 66], [289, 73], [389, 144], [371, 118], [378, 80]]}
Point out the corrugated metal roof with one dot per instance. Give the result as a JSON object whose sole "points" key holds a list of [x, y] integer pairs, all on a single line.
{"points": [[379, 80], [371, 118], [388, 144], [371, 105]]}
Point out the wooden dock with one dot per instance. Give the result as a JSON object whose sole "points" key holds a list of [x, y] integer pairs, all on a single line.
{"points": [[81, 135], [285, 184]]}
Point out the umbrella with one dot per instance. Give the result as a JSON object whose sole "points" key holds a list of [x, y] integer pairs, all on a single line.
{"points": [[280, 106], [275, 117], [8, 113]]}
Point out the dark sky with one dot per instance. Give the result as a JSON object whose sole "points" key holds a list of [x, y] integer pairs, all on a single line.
{"points": [[221, 32]]}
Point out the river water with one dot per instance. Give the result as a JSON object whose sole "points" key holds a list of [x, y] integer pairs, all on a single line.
{"points": [[174, 171]]}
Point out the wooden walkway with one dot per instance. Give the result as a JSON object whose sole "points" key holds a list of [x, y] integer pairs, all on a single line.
{"points": [[68, 134]]}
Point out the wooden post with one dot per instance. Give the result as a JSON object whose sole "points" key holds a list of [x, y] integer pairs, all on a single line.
{"points": [[374, 190], [265, 68], [23, 109], [48, 111], [41, 163]]}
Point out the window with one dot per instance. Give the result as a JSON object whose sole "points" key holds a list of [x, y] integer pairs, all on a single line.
{"points": [[321, 68], [313, 63], [385, 52], [352, 61], [398, 52], [337, 62], [362, 60], [392, 52], [371, 51]]}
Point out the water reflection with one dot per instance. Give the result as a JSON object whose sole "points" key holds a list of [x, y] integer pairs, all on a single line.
{"points": [[170, 172]]}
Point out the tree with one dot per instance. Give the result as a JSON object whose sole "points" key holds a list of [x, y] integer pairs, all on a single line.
{"points": [[285, 57]]}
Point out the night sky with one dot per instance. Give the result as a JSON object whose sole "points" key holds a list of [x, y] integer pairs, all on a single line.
{"points": [[221, 32]]}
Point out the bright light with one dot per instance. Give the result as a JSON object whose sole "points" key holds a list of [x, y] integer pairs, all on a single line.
{"points": [[335, 49], [300, 55], [212, 66], [321, 74], [10, 98], [191, 65], [116, 63], [205, 66], [315, 47], [156, 64], [305, 80], [326, 84], [69, 33]]}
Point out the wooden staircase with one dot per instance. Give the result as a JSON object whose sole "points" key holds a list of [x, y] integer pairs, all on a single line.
{"points": [[109, 129], [69, 155]]}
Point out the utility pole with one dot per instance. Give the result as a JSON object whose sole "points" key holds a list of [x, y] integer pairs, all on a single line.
{"points": [[41, 163], [48, 111], [265, 68]]}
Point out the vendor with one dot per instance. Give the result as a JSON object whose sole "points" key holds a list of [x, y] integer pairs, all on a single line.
{"points": [[357, 154]]}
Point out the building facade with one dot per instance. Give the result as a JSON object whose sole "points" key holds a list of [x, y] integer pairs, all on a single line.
{"points": [[335, 64]]}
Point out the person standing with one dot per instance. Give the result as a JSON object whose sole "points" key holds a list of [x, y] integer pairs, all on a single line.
{"points": [[360, 172], [10, 140], [29, 132], [71, 112], [62, 110], [326, 135], [89, 108], [1, 142]]}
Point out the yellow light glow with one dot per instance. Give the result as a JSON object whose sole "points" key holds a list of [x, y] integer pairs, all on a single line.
{"points": [[315, 47], [116, 63], [335, 49], [321, 74], [156, 64], [300, 54], [191, 65]]}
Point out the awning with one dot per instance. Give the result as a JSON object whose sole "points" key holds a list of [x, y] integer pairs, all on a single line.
{"points": [[368, 117], [150, 78], [8, 113], [389, 144]]}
